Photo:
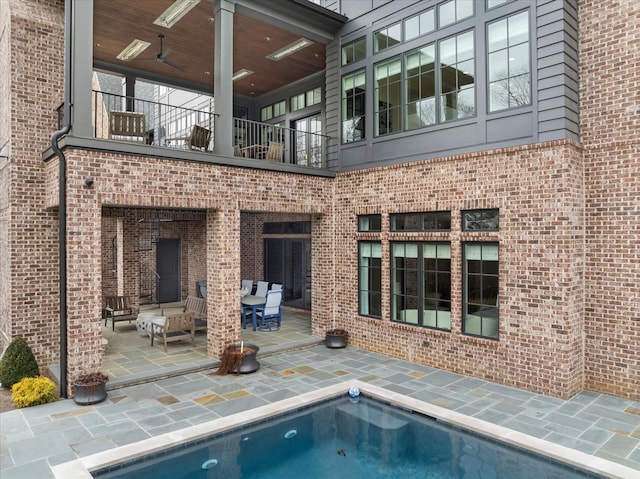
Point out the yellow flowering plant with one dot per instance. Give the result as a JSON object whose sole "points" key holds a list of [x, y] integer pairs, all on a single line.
{"points": [[33, 392]]}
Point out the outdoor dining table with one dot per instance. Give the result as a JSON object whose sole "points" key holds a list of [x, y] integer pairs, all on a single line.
{"points": [[253, 302]]}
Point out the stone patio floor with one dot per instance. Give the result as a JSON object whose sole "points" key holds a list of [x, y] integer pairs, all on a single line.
{"points": [[33, 439]]}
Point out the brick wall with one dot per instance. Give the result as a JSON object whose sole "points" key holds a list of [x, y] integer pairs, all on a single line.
{"points": [[610, 127], [31, 86], [538, 191], [134, 187], [569, 265]]}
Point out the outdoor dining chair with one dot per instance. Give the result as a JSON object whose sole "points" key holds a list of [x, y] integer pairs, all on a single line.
{"points": [[246, 285], [262, 288], [270, 316]]}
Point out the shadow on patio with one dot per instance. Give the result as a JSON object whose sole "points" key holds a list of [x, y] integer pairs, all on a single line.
{"points": [[130, 358]]}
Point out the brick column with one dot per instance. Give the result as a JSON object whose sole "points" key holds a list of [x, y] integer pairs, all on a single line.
{"points": [[223, 279], [84, 336]]}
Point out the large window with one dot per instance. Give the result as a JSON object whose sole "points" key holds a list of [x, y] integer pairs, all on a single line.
{"points": [[421, 284], [454, 11], [508, 63], [387, 37], [457, 77], [421, 87], [354, 51], [370, 278], [419, 24], [480, 290], [353, 101], [388, 78]]}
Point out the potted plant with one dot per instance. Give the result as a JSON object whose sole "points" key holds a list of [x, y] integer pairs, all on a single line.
{"points": [[90, 388], [336, 338]]}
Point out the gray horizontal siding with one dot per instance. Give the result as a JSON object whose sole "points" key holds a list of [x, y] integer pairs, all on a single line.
{"points": [[553, 114], [557, 70]]}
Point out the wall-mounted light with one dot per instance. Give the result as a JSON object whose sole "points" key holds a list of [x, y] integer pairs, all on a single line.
{"points": [[88, 182], [241, 74], [290, 49], [134, 49], [175, 12]]}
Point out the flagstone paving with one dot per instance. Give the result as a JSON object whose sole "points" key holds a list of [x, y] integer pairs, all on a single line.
{"points": [[33, 439]]}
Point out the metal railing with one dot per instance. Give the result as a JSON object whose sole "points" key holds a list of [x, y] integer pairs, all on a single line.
{"points": [[258, 140], [164, 124], [170, 126]]}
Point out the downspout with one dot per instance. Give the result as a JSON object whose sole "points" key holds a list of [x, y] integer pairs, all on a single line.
{"points": [[62, 198]]}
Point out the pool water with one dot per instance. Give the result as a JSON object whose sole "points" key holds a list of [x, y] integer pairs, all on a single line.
{"points": [[341, 438]]}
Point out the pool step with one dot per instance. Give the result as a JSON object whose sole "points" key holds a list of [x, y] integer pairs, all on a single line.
{"points": [[374, 431], [373, 416]]}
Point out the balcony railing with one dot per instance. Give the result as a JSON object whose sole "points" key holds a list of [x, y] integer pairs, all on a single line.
{"points": [[149, 122], [168, 126], [254, 139]]}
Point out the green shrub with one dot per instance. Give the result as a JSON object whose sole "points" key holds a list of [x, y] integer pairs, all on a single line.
{"points": [[17, 363], [33, 392]]}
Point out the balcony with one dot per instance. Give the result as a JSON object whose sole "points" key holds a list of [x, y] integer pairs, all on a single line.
{"points": [[160, 125]]}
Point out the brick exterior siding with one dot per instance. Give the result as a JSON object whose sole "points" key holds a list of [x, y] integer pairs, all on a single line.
{"points": [[538, 193], [31, 82], [568, 237], [610, 129]]}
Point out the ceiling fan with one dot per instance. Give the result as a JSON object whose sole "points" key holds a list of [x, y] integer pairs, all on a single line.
{"points": [[161, 57]]}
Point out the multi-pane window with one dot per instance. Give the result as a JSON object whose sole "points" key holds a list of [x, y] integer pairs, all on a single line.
{"points": [[480, 290], [495, 3], [387, 37], [421, 87], [370, 223], [480, 220], [454, 11], [421, 284], [457, 77], [353, 106], [370, 278], [354, 51], [271, 111], [508, 62], [308, 98], [419, 24], [388, 86], [428, 221]]}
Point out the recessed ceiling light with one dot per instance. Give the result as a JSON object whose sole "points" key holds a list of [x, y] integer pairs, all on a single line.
{"points": [[241, 74], [290, 49], [175, 12], [134, 49]]}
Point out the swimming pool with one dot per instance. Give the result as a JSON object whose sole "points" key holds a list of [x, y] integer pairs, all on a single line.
{"points": [[383, 435]]}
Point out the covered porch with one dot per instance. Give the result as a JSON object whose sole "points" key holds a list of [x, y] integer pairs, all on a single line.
{"points": [[248, 76], [129, 357]]}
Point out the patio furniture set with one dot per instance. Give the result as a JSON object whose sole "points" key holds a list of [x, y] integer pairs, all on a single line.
{"points": [[177, 323]]}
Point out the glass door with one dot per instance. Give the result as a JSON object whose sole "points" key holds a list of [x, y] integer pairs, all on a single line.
{"points": [[308, 144]]}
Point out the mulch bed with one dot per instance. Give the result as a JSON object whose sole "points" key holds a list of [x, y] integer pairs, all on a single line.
{"points": [[6, 403]]}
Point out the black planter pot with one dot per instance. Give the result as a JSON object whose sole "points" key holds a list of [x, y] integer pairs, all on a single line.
{"points": [[249, 362], [86, 394], [335, 341]]}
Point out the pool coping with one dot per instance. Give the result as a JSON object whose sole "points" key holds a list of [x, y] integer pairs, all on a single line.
{"points": [[81, 468]]}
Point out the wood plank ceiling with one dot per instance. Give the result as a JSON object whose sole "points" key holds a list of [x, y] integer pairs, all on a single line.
{"points": [[191, 41]]}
